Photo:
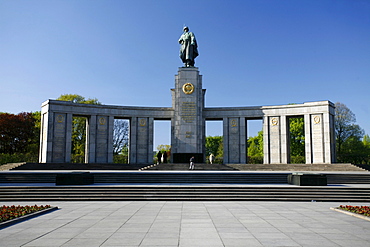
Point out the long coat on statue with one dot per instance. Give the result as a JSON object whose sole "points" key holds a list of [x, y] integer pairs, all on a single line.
{"points": [[189, 48]]}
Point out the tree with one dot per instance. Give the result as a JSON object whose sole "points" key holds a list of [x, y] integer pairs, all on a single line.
{"points": [[352, 145], [16, 132], [366, 141], [120, 135], [213, 144], [345, 127], [164, 148], [255, 145], [297, 137], [78, 126]]}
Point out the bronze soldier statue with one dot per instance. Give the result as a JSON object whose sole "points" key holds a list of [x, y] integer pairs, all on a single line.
{"points": [[189, 48]]}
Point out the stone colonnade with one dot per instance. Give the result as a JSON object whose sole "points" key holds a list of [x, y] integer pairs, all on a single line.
{"points": [[57, 117], [188, 116], [318, 129]]}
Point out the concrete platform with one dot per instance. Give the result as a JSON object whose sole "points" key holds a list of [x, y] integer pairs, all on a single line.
{"points": [[189, 224]]}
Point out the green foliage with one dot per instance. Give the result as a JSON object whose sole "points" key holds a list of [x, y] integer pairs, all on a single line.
{"points": [[255, 159], [120, 159], [297, 138], [366, 141], [298, 159], [351, 143], [345, 126], [255, 146], [75, 98], [214, 145], [163, 148], [18, 157]]}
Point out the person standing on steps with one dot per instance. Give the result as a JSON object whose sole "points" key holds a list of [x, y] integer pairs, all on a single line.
{"points": [[159, 157], [191, 163], [211, 158], [165, 157]]}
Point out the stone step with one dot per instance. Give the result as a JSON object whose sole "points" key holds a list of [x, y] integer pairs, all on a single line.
{"points": [[183, 193], [297, 167], [10, 166], [158, 177], [77, 166]]}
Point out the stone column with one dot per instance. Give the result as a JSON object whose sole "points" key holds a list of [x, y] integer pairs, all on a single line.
{"points": [[225, 124], [274, 141], [243, 140], [46, 134], [90, 156], [132, 146], [235, 140], [328, 136], [61, 141], [102, 130], [317, 139], [69, 138], [110, 139], [266, 140], [308, 138], [141, 141], [329, 130], [99, 139], [284, 141]]}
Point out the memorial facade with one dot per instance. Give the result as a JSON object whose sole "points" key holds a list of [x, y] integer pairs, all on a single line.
{"points": [[188, 116]]}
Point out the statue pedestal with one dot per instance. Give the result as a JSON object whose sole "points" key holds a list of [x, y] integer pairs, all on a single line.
{"points": [[188, 127]]}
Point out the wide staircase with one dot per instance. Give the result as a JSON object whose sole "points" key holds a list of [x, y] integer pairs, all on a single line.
{"points": [[174, 182]]}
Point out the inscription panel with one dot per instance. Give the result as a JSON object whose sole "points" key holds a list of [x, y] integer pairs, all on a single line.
{"points": [[188, 112], [59, 140]]}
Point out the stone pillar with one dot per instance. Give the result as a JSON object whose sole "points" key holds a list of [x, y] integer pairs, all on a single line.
{"points": [[225, 124], [188, 124], [132, 145], [308, 138], [274, 140], [284, 140], [141, 140], [317, 139], [329, 135], [110, 139], [243, 140], [46, 134], [60, 146], [235, 140], [90, 156], [99, 139], [266, 140]]}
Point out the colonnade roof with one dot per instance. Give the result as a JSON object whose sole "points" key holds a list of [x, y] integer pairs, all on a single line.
{"points": [[251, 112]]}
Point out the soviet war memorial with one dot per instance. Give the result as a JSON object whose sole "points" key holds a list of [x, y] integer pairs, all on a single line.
{"points": [[188, 115], [302, 181]]}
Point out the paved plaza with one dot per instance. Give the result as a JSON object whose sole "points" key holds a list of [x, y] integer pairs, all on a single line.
{"points": [[188, 224]]}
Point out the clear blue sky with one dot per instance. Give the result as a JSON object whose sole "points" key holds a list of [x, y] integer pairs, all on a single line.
{"points": [[252, 53]]}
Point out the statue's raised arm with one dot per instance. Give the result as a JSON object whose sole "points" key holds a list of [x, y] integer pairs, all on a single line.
{"points": [[189, 48]]}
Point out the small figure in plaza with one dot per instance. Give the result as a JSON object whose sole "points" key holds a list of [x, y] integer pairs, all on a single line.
{"points": [[211, 158], [191, 163], [159, 157], [189, 48], [164, 157]]}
